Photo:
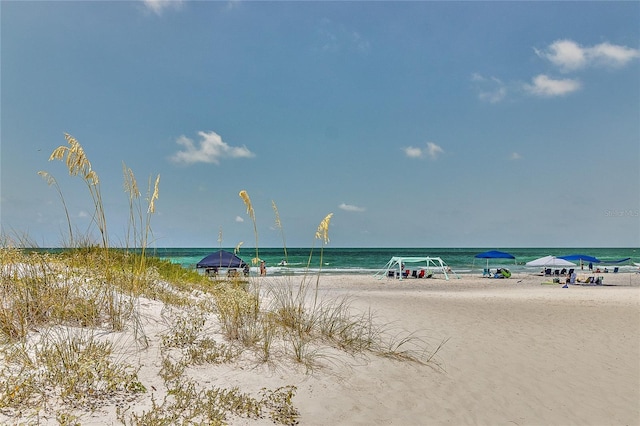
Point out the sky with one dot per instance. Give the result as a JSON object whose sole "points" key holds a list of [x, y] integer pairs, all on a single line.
{"points": [[417, 124]]}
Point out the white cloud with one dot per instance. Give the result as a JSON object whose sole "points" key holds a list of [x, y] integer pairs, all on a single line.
{"points": [[491, 90], [432, 151], [545, 86], [570, 56], [565, 54], [239, 219], [336, 37], [211, 149], [159, 6], [515, 156], [413, 152], [612, 55], [351, 208], [359, 42]]}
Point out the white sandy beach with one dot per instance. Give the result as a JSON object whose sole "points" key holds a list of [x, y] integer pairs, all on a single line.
{"points": [[517, 353]]}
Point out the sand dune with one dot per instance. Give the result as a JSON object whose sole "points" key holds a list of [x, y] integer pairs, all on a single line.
{"points": [[516, 352]]}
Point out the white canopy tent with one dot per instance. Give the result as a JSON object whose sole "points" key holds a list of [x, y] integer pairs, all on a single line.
{"points": [[550, 261], [429, 264]]}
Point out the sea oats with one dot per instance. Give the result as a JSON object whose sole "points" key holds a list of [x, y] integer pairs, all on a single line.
{"points": [[154, 196], [279, 225], [92, 178], [275, 210], [58, 153], [47, 177], [237, 249], [247, 202], [323, 229], [130, 183]]}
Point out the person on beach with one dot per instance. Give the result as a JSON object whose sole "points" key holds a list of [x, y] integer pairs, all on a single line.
{"points": [[263, 268]]}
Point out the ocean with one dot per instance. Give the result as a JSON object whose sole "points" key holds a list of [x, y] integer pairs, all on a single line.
{"points": [[372, 260]]}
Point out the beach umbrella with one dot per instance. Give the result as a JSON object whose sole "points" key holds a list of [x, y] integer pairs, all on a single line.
{"points": [[494, 254], [550, 261], [582, 257]]}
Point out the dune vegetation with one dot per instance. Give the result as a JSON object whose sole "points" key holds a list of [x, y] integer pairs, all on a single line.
{"points": [[74, 324]]}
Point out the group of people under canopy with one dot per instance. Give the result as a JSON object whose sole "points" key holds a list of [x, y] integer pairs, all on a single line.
{"points": [[222, 259], [228, 261], [422, 267]]}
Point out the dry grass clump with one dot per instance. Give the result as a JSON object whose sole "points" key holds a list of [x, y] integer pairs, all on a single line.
{"points": [[38, 288], [58, 305], [238, 310], [64, 365], [305, 320], [186, 403], [187, 333]]}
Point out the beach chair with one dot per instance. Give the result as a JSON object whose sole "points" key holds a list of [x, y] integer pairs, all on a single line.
{"points": [[570, 271], [556, 272], [414, 274], [547, 272], [421, 274], [406, 273], [572, 278], [486, 272], [391, 274], [615, 270]]}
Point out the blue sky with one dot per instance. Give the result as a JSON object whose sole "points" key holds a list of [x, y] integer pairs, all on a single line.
{"points": [[418, 124]]}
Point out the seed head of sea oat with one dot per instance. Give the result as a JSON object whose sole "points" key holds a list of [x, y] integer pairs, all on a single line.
{"points": [[323, 229]]}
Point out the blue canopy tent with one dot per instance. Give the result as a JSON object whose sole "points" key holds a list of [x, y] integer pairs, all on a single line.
{"points": [[582, 257], [221, 259], [493, 254], [613, 262]]}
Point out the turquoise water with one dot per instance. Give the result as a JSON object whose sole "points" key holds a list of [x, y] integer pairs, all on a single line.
{"points": [[371, 260]]}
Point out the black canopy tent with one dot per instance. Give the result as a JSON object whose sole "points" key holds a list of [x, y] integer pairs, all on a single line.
{"points": [[221, 259]]}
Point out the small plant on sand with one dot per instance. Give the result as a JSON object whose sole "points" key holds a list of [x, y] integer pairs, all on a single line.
{"points": [[187, 334], [66, 366], [187, 403], [238, 310]]}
